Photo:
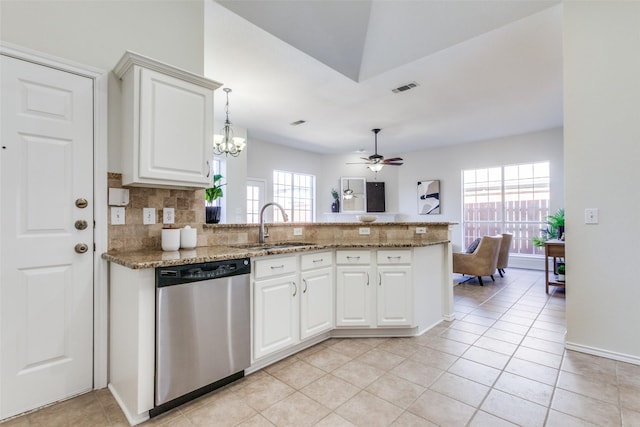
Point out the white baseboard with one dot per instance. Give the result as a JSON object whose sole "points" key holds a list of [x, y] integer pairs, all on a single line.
{"points": [[529, 263], [603, 353], [134, 419]]}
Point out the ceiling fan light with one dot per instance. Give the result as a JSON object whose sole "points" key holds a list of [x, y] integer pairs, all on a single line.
{"points": [[376, 167]]}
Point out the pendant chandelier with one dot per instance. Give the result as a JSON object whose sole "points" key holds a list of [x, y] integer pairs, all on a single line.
{"points": [[347, 194], [225, 143]]}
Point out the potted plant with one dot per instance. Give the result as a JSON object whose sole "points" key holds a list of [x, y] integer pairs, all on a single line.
{"points": [[560, 269], [335, 206], [554, 230], [211, 195]]}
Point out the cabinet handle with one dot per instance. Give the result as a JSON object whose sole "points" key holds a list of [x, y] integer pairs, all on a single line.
{"points": [[393, 257], [318, 260], [274, 267], [353, 257], [304, 291], [295, 289], [379, 279], [208, 169], [367, 279]]}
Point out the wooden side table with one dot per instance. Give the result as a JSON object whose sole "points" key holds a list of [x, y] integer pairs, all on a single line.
{"points": [[553, 249]]}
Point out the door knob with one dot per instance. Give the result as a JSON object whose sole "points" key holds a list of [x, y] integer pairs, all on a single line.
{"points": [[81, 248], [82, 203], [80, 224]]}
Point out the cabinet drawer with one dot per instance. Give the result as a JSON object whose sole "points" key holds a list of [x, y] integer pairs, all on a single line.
{"points": [[353, 257], [397, 256], [274, 266], [315, 260]]}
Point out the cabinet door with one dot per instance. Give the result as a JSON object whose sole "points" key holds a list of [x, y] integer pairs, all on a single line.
{"points": [[353, 296], [316, 302], [275, 314], [176, 130], [394, 296]]}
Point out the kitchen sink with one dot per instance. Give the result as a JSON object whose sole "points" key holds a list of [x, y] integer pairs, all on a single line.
{"points": [[267, 246]]}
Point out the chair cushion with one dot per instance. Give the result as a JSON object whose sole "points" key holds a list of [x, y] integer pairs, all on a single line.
{"points": [[473, 246]]}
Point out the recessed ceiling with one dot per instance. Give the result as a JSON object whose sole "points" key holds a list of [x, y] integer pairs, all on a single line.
{"points": [[484, 69]]}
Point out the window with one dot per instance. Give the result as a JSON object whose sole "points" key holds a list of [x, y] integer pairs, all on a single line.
{"points": [[507, 199], [255, 199], [296, 194]]}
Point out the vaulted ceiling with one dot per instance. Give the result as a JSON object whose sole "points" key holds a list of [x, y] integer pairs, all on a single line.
{"points": [[483, 69]]}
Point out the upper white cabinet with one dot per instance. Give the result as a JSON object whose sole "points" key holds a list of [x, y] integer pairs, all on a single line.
{"points": [[167, 122]]}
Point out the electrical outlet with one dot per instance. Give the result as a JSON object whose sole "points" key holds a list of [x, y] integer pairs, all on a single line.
{"points": [[591, 216], [168, 216], [421, 230], [364, 230], [117, 216], [149, 216], [297, 231]]}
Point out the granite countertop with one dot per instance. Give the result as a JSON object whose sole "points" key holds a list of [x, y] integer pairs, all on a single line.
{"points": [[156, 258]]}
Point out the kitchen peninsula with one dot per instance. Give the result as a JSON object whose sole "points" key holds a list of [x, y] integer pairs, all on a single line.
{"points": [[308, 283]]}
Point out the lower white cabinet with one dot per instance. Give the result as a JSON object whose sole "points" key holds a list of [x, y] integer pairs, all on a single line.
{"points": [[317, 295], [275, 311], [290, 305], [374, 289], [394, 296]]}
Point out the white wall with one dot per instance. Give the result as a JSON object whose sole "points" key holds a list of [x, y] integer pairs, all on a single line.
{"points": [[602, 150], [447, 163], [97, 33]]}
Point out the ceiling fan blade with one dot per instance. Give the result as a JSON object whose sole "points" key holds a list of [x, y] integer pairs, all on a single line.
{"points": [[395, 159], [394, 164], [365, 158], [356, 163]]}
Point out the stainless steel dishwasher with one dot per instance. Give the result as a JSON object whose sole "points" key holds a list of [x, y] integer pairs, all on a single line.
{"points": [[202, 329]]}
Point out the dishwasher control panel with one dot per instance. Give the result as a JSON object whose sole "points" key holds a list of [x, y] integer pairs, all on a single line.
{"points": [[167, 276]]}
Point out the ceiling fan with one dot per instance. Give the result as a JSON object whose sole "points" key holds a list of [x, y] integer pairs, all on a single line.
{"points": [[375, 162]]}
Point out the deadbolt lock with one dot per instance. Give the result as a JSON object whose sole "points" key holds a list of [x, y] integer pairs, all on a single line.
{"points": [[80, 224], [82, 203], [81, 248]]}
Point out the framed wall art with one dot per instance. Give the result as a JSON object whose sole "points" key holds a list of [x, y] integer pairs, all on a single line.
{"points": [[429, 197]]}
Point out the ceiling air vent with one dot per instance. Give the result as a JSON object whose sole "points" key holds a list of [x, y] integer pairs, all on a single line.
{"points": [[404, 87], [298, 122]]}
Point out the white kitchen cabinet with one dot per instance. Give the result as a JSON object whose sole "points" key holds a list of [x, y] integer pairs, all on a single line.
{"points": [[317, 294], [394, 296], [276, 307], [374, 291], [354, 290], [167, 122], [395, 290]]}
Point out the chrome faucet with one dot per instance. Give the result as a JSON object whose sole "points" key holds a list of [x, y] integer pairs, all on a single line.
{"points": [[262, 234]]}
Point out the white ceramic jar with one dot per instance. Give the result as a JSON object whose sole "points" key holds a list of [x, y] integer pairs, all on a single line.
{"points": [[188, 237], [170, 239]]}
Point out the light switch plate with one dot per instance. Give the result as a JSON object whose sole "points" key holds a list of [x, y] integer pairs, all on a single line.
{"points": [[591, 216], [421, 230], [117, 216], [149, 216], [168, 216], [297, 231], [364, 230]]}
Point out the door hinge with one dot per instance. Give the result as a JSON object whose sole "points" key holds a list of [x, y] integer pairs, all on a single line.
{"points": [[94, 247]]}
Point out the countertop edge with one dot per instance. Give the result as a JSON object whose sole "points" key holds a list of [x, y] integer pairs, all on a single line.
{"points": [[158, 258]]}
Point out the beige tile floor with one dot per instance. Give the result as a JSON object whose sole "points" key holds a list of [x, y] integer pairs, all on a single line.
{"points": [[500, 363]]}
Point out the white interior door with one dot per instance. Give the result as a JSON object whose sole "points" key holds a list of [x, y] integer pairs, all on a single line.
{"points": [[46, 287]]}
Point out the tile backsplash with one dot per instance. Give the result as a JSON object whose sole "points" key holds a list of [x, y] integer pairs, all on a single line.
{"points": [[189, 208], [133, 235]]}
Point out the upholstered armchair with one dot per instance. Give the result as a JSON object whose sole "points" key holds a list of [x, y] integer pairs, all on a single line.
{"points": [[482, 262], [503, 255]]}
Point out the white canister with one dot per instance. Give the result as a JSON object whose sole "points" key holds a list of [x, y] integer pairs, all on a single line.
{"points": [[170, 239], [188, 237]]}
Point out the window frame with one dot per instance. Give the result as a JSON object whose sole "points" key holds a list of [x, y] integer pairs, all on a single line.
{"points": [[523, 205]]}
